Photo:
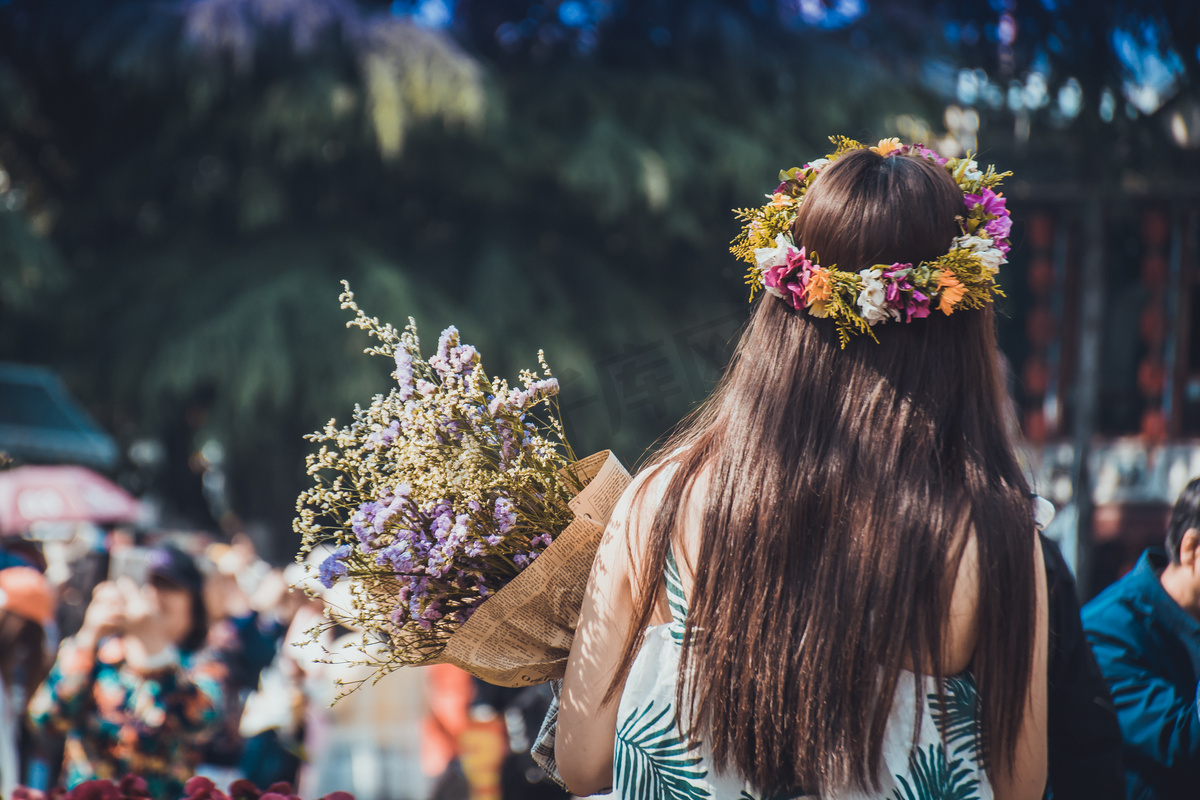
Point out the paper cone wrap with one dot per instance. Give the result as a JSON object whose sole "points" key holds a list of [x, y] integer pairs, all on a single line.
{"points": [[522, 635]]}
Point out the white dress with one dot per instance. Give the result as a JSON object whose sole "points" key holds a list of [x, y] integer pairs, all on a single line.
{"points": [[653, 760]]}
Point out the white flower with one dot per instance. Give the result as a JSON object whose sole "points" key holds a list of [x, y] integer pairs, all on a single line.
{"points": [[768, 257], [819, 164], [991, 256], [872, 299], [972, 172]]}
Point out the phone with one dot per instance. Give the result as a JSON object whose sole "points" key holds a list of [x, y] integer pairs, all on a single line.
{"points": [[129, 562]]}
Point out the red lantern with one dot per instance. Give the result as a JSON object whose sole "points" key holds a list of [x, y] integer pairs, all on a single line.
{"points": [[1035, 426], [1155, 227], [1152, 325], [1154, 270], [1041, 275], [1154, 426], [1036, 376], [1151, 378], [1041, 230], [1040, 327]]}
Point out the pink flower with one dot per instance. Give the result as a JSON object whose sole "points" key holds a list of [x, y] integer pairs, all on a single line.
{"points": [[998, 229], [788, 279], [993, 204], [917, 306], [922, 151], [773, 277], [794, 295]]}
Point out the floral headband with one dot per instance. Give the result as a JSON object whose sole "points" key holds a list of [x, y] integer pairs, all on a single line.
{"points": [[963, 278]]}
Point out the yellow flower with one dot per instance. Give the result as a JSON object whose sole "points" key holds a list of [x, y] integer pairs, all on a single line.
{"points": [[952, 291], [886, 146], [779, 200]]}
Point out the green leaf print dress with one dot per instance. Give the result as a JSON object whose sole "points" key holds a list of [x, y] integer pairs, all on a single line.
{"points": [[653, 760]]}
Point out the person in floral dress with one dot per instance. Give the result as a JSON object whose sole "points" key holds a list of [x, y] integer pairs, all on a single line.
{"points": [[134, 691]]}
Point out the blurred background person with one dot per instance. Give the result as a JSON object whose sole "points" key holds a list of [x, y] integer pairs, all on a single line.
{"points": [[135, 691], [1145, 632], [249, 609], [373, 740], [26, 608]]}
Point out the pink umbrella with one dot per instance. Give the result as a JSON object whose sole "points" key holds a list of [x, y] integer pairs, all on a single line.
{"points": [[61, 494]]}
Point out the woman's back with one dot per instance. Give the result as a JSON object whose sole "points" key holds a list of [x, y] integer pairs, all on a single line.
{"points": [[830, 505], [654, 757]]}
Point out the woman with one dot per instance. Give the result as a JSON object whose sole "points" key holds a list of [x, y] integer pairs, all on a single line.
{"points": [[837, 550], [26, 609], [133, 690]]}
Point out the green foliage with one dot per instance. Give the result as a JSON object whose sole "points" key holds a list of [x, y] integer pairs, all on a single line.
{"points": [[30, 266], [956, 713], [935, 778], [652, 761]]}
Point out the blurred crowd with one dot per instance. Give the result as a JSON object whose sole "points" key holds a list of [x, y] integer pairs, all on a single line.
{"points": [[181, 655]]}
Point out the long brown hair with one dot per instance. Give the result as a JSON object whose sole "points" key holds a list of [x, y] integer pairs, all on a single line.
{"points": [[842, 485]]}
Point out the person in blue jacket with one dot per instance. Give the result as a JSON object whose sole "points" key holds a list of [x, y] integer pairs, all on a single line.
{"points": [[1145, 632]]}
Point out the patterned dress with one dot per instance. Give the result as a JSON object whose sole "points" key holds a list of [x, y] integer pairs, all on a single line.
{"points": [[654, 760], [118, 720]]}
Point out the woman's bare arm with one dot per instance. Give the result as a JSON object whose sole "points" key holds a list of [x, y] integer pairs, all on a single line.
{"points": [[1027, 781], [587, 725]]}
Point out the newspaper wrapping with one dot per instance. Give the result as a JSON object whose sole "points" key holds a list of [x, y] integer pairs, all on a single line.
{"points": [[521, 635]]}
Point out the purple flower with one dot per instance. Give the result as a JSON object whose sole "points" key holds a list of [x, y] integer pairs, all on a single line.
{"points": [[897, 282], [464, 358], [922, 151], [998, 229], [522, 560], [333, 567], [404, 372], [362, 522], [504, 515], [993, 204], [398, 556], [441, 360], [540, 390], [542, 539], [917, 306]]}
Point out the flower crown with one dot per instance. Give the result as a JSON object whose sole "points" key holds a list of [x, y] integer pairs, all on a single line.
{"points": [[963, 278]]}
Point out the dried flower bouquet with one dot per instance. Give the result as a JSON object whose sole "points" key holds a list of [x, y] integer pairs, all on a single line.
{"points": [[437, 496]]}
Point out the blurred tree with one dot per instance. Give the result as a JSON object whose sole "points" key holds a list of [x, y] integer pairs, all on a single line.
{"points": [[194, 177]]}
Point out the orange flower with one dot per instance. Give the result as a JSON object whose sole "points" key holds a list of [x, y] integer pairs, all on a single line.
{"points": [[818, 289], [952, 291], [779, 200], [886, 146]]}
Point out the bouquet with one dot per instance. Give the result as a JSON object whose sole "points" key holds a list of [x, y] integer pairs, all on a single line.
{"points": [[439, 495]]}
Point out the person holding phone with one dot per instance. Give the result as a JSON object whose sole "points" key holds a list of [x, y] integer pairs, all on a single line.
{"points": [[135, 691]]}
